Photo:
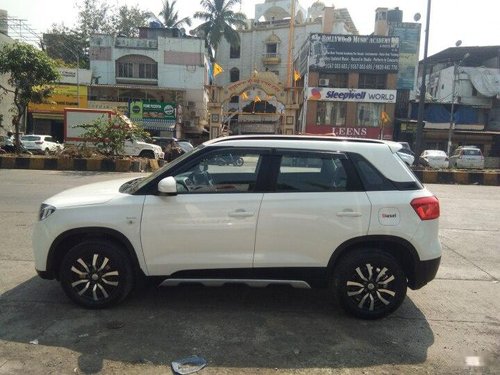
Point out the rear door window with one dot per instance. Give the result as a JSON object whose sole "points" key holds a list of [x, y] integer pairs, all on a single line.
{"points": [[315, 172]]}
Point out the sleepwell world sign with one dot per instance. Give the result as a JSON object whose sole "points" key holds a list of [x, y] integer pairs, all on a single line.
{"points": [[354, 53], [351, 95]]}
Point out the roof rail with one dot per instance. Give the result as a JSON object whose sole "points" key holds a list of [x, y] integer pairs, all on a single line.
{"points": [[275, 137]]}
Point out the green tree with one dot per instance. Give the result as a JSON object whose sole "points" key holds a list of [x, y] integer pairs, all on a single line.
{"points": [[219, 22], [108, 136], [31, 71], [94, 16], [125, 21], [67, 45], [171, 16]]}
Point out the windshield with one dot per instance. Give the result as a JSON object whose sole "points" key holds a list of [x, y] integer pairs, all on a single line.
{"points": [[131, 187]]}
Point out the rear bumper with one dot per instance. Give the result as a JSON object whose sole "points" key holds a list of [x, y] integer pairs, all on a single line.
{"points": [[424, 272]]}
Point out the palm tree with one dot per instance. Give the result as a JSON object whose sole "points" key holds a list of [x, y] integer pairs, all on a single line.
{"points": [[219, 21], [171, 16]]}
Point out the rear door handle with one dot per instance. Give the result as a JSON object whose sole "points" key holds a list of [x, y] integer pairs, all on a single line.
{"points": [[349, 213], [241, 213]]}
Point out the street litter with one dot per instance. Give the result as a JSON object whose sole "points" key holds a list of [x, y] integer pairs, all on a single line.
{"points": [[34, 342], [188, 365]]}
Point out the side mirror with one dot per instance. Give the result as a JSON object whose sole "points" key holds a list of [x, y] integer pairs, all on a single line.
{"points": [[168, 185]]}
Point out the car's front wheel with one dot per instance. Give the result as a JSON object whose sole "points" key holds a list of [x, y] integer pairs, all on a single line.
{"points": [[96, 274], [369, 284], [147, 154]]}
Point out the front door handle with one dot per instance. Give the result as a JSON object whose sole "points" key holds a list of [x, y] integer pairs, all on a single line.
{"points": [[241, 213]]}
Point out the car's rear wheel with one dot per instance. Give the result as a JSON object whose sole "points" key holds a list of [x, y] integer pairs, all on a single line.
{"points": [[369, 284], [96, 274], [46, 151]]}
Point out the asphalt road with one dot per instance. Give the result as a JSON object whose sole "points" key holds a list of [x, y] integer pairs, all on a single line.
{"points": [[451, 326]]}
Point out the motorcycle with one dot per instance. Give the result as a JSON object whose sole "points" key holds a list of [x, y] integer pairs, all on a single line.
{"points": [[228, 159]]}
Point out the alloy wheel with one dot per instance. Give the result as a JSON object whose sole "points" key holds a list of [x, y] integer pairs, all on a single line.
{"points": [[371, 288]]}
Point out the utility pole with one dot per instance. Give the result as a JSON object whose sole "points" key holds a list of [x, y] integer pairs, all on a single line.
{"points": [[291, 37], [421, 100]]}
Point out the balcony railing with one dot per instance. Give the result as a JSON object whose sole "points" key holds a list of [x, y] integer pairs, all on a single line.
{"points": [[271, 58]]}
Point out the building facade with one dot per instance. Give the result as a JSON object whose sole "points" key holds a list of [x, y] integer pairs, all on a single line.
{"points": [[462, 100], [71, 91], [268, 46], [162, 68]]}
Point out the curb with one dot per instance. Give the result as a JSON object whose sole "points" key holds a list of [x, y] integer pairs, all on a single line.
{"points": [[93, 165], [426, 176], [460, 177]]}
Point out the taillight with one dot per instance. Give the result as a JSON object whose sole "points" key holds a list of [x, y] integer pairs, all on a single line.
{"points": [[427, 208]]}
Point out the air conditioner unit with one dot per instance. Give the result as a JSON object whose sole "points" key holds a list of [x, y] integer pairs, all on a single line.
{"points": [[324, 82]]}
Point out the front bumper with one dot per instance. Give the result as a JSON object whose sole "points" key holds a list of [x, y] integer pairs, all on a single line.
{"points": [[45, 275], [425, 271]]}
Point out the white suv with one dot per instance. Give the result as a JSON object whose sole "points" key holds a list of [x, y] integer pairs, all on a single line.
{"points": [[41, 144], [306, 211]]}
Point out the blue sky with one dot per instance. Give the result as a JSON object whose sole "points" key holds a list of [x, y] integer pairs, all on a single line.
{"points": [[475, 23]]}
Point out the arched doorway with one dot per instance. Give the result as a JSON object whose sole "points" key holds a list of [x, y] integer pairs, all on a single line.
{"points": [[258, 105]]}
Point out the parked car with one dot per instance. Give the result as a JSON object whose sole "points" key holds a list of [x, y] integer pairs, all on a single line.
{"points": [[41, 144], [467, 157], [407, 155], [306, 211], [434, 159]]}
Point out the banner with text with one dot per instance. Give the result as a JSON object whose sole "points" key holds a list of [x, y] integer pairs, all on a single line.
{"points": [[354, 53], [153, 115], [409, 42]]}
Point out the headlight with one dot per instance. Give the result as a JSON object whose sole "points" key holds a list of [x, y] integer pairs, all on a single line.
{"points": [[45, 211]]}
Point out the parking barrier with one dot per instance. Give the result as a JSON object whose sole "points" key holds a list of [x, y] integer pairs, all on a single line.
{"points": [[428, 176]]}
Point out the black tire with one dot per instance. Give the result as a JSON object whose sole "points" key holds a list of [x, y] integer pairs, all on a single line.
{"points": [[238, 162], [96, 274], [369, 284], [147, 154], [46, 151]]}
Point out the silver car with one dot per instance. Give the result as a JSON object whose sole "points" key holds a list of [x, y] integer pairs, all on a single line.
{"points": [[467, 157], [434, 159]]}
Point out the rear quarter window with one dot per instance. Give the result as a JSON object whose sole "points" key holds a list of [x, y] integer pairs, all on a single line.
{"points": [[374, 180]]}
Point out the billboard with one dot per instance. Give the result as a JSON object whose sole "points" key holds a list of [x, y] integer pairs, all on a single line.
{"points": [[153, 115], [354, 53], [409, 42]]}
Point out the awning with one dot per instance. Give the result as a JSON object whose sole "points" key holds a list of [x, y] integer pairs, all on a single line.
{"points": [[48, 115], [446, 126], [134, 87], [156, 124]]}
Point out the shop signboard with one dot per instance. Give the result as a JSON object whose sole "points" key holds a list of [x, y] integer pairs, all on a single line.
{"points": [[354, 53], [345, 131], [351, 95], [63, 96]]}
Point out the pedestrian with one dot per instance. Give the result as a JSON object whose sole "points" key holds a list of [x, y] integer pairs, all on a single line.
{"points": [[9, 143]]}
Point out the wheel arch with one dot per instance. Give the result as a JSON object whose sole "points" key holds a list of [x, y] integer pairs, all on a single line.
{"points": [[402, 250], [65, 241]]}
